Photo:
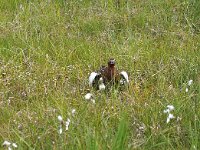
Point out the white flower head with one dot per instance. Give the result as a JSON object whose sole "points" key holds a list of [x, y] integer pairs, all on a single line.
{"points": [[190, 82], [14, 145], [6, 143], [178, 119], [73, 111], [93, 101], [88, 96], [166, 111], [102, 87], [68, 120], [9, 145], [67, 124], [101, 84], [60, 129], [60, 118], [170, 107], [170, 116], [186, 90]]}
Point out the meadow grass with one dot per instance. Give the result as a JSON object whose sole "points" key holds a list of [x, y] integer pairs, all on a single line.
{"points": [[48, 48]]}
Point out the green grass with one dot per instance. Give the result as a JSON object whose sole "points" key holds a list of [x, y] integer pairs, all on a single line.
{"points": [[48, 49]]}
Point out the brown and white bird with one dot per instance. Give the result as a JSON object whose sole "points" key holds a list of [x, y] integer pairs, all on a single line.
{"points": [[108, 75]]}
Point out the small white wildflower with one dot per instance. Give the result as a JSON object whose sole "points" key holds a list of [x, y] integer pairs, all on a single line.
{"points": [[166, 111], [102, 87], [9, 148], [190, 82], [60, 118], [186, 90], [9, 101], [14, 145], [6, 143], [88, 96], [73, 111], [178, 119], [170, 107], [60, 129], [93, 101], [101, 84], [141, 128], [68, 120], [67, 124], [21, 7], [170, 116]]}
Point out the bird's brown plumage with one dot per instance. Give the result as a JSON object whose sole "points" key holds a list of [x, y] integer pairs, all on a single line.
{"points": [[110, 73]]}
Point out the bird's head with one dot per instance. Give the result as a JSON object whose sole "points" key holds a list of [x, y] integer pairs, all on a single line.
{"points": [[111, 62]]}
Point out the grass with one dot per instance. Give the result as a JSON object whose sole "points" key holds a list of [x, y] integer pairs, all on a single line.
{"points": [[48, 49]]}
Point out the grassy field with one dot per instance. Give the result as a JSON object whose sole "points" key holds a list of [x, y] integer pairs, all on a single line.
{"points": [[48, 48]]}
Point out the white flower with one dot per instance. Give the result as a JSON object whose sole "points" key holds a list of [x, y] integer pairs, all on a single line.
{"points": [[186, 90], [166, 111], [92, 77], [170, 116], [102, 87], [60, 118], [60, 129], [67, 124], [73, 111], [14, 145], [170, 107], [190, 82], [9, 145], [93, 101], [6, 143], [101, 84], [88, 96], [178, 119]]}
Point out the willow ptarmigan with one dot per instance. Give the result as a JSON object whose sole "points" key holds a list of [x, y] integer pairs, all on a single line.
{"points": [[108, 76]]}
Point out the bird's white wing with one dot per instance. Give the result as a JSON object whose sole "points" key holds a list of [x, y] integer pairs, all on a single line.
{"points": [[92, 77], [125, 77]]}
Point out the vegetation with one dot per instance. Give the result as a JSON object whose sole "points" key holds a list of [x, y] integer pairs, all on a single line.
{"points": [[48, 48]]}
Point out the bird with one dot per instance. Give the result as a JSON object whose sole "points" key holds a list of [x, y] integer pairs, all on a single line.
{"points": [[107, 76]]}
